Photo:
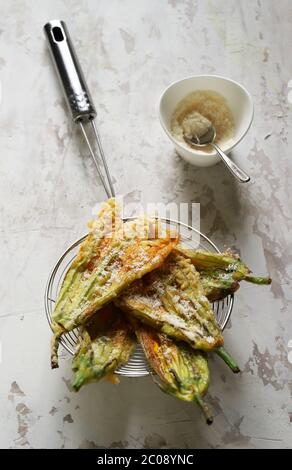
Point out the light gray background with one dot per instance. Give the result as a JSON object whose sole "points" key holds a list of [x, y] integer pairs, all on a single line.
{"points": [[130, 51]]}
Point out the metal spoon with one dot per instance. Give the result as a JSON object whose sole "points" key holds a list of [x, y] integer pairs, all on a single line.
{"points": [[208, 139]]}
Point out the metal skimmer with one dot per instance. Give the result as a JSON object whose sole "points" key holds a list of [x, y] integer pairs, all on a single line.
{"points": [[83, 112]]}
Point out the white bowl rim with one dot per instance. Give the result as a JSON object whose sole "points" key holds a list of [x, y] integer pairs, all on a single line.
{"points": [[201, 152]]}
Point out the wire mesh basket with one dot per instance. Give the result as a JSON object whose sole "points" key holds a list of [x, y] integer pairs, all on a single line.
{"points": [[137, 366]]}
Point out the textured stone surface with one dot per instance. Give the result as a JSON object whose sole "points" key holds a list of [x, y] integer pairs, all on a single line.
{"points": [[130, 51]]}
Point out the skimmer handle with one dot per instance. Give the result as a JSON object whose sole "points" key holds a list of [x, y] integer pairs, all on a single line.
{"points": [[68, 68]]}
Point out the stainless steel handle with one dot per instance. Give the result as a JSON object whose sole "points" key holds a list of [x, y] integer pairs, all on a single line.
{"points": [[68, 68], [239, 174]]}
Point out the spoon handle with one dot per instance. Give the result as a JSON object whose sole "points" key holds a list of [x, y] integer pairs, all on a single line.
{"points": [[239, 174]]}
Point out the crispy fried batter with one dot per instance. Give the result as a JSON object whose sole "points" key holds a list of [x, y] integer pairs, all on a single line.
{"points": [[220, 272], [183, 372], [110, 259], [105, 343], [172, 299]]}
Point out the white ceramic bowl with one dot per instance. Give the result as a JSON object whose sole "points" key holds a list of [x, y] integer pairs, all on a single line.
{"points": [[238, 99]]}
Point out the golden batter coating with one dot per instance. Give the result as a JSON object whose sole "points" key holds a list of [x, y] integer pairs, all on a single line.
{"points": [[172, 300], [110, 259], [183, 372], [105, 344]]}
